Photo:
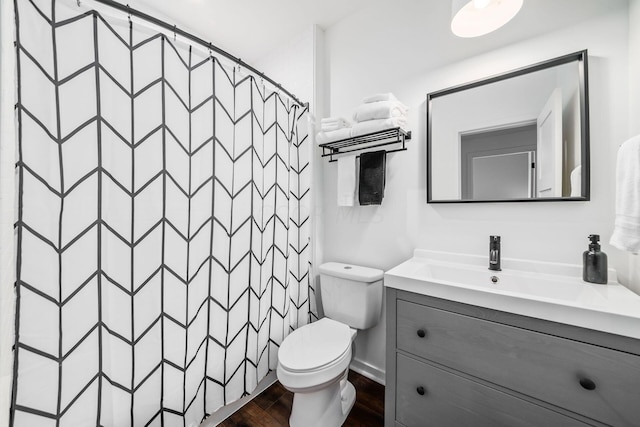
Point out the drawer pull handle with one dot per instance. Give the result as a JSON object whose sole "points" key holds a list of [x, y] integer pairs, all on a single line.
{"points": [[587, 384], [421, 391], [421, 333]]}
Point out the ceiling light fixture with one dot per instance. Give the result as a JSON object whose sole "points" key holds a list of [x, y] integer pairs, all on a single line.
{"points": [[481, 4], [473, 18]]}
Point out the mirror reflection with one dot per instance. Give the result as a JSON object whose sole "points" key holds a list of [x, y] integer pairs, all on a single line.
{"points": [[519, 136]]}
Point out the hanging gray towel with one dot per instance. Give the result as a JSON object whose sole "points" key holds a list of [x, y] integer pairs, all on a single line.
{"points": [[372, 177]]}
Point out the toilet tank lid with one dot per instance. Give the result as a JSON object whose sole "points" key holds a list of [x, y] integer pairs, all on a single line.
{"points": [[351, 272]]}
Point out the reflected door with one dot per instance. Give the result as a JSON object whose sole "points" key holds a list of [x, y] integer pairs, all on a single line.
{"points": [[549, 149], [503, 176], [495, 163]]}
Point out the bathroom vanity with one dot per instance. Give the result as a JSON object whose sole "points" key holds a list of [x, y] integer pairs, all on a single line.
{"points": [[528, 346]]}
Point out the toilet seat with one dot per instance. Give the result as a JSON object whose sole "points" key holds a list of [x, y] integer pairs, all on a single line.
{"points": [[315, 346], [314, 355]]}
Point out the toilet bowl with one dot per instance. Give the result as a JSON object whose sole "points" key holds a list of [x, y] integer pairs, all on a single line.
{"points": [[313, 361]]}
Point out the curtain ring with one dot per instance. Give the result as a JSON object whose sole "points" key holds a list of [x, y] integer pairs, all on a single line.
{"points": [[174, 33], [78, 3], [128, 12], [210, 51], [239, 66]]}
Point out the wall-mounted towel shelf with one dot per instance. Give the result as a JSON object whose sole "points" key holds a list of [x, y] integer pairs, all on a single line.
{"points": [[363, 142]]}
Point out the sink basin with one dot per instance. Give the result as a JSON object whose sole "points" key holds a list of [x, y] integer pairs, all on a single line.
{"points": [[510, 281], [544, 290]]}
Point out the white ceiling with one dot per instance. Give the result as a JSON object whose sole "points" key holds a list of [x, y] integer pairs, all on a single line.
{"points": [[250, 29]]}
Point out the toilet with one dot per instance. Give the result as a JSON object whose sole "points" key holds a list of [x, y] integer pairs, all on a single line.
{"points": [[313, 361]]}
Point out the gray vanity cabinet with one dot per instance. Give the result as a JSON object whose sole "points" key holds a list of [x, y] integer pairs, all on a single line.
{"points": [[452, 364]]}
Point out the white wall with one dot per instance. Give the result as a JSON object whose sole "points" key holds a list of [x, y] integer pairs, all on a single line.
{"points": [[292, 65], [634, 67], [632, 275], [552, 231]]}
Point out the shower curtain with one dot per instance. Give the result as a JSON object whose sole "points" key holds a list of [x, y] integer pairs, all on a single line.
{"points": [[162, 229]]}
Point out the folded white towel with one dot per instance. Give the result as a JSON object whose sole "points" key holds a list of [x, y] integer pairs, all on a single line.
{"points": [[369, 126], [330, 128], [626, 232], [346, 180], [334, 135], [334, 123], [332, 120], [379, 110], [576, 181], [379, 97]]}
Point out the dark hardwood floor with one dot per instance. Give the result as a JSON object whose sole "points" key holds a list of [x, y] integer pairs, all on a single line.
{"points": [[272, 407]]}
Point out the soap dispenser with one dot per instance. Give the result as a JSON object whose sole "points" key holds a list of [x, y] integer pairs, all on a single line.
{"points": [[594, 262]]}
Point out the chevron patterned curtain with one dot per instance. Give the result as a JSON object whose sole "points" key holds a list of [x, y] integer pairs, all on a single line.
{"points": [[163, 227]]}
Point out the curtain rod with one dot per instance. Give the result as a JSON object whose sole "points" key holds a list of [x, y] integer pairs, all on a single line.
{"points": [[174, 28]]}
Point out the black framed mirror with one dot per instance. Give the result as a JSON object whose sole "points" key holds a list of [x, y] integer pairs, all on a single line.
{"points": [[518, 136]]}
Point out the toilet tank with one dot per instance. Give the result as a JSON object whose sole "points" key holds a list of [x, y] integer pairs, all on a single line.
{"points": [[351, 294]]}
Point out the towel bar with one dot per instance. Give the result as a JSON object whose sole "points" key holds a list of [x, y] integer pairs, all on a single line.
{"points": [[367, 141]]}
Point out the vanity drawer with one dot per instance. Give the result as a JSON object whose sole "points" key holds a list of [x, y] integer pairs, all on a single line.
{"points": [[451, 400], [555, 370]]}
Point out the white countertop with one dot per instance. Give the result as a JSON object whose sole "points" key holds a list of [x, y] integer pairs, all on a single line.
{"points": [[549, 291]]}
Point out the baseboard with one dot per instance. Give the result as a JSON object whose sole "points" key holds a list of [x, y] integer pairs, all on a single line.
{"points": [[372, 372], [226, 411]]}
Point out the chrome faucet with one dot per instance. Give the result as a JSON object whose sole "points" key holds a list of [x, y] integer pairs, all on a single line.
{"points": [[494, 253]]}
